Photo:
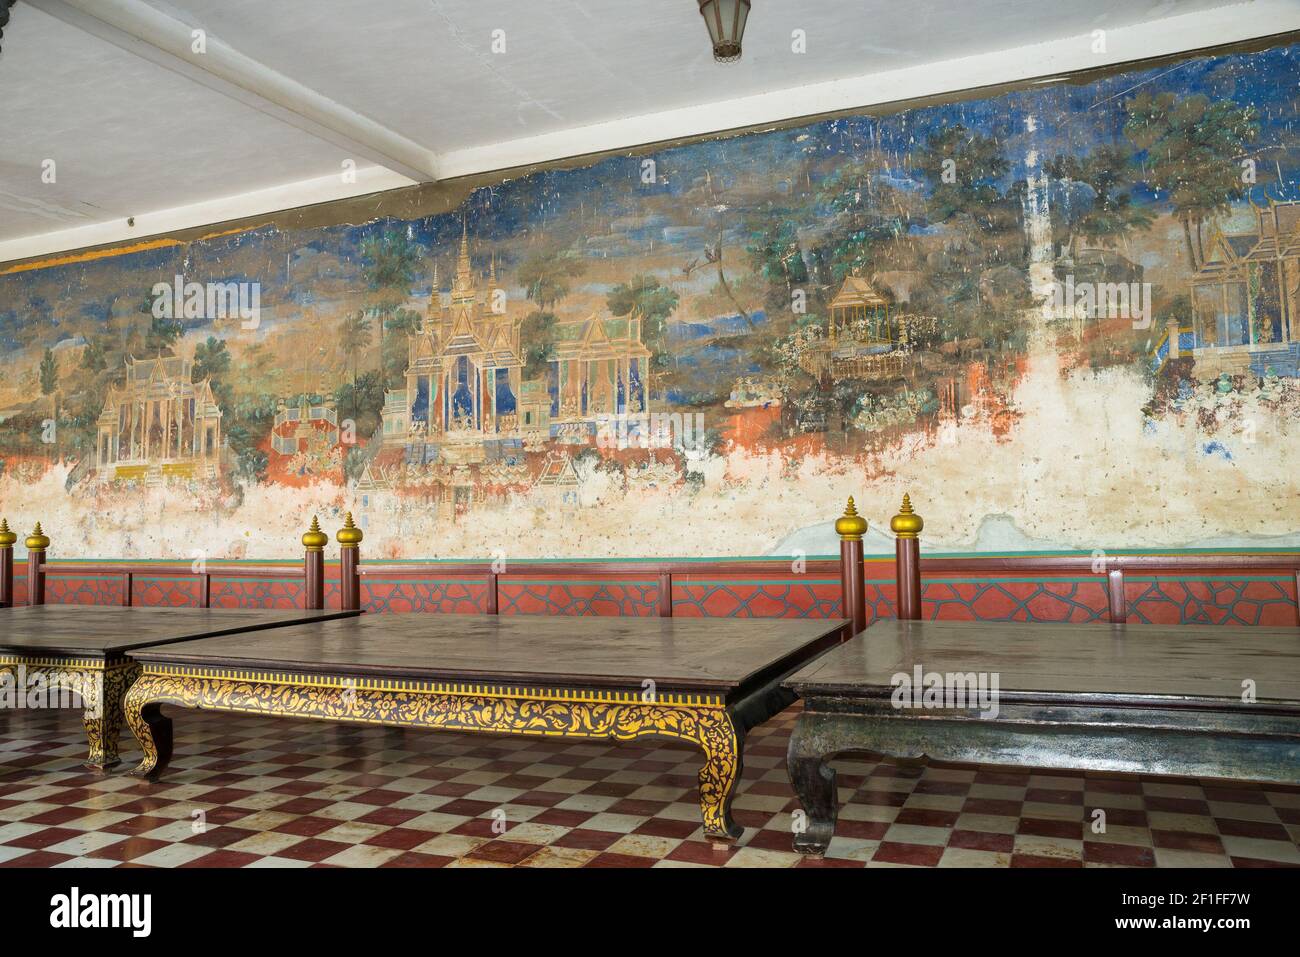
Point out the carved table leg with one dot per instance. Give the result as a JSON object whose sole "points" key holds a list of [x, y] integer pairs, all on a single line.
{"points": [[154, 731], [724, 748], [102, 694], [813, 780]]}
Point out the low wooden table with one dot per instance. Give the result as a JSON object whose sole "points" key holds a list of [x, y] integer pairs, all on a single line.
{"points": [[81, 649], [705, 681], [1138, 698]]}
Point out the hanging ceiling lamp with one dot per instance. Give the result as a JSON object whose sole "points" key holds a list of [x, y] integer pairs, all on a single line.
{"points": [[726, 22]]}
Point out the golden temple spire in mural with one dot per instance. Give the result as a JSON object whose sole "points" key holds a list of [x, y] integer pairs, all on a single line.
{"points": [[462, 287]]}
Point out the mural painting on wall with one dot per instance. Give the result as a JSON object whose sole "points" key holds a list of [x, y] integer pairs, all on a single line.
{"points": [[1063, 318]]}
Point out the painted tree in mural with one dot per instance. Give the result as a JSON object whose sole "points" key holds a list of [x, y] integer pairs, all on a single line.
{"points": [[547, 275], [964, 169], [161, 334], [246, 414], [355, 332], [654, 303], [713, 198], [871, 219], [361, 399], [1192, 152], [777, 257], [982, 271], [211, 360], [402, 324], [391, 262], [1097, 202], [49, 375]]}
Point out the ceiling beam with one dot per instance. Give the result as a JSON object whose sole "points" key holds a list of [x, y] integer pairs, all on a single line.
{"points": [[152, 224], [152, 35]]}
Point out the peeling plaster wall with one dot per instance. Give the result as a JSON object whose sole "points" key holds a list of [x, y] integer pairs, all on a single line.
{"points": [[1016, 425]]}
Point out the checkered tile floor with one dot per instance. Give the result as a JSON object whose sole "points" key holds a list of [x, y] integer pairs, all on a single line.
{"points": [[256, 792]]}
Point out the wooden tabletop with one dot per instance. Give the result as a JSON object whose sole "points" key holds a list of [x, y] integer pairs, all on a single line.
{"points": [[1082, 662], [105, 631], [696, 654]]}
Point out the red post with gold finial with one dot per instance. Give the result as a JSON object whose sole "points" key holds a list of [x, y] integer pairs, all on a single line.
{"points": [[906, 526], [851, 527], [314, 540], [7, 539], [349, 539], [37, 542]]}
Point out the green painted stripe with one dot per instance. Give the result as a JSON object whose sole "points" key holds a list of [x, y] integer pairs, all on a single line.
{"points": [[1208, 578], [425, 581], [274, 581], [765, 581], [775, 559], [1097, 579], [580, 581]]}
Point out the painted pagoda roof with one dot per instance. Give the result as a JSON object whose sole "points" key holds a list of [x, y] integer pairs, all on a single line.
{"points": [[856, 291], [1228, 252], [1278, 218], [599, 337]]}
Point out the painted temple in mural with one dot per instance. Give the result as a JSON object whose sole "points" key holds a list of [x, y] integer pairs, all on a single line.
{"points": [[463, 375], [861, 341], [468, 417], [466, 367], [465, 388], [1245, 298], [159, 424]]}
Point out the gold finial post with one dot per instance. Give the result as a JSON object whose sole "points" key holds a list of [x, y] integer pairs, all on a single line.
{"points": [[853, 586], [7, 539], [313, 566], [37, 542], [314, 539], [906, 526], [850, 526], [349, 538]]}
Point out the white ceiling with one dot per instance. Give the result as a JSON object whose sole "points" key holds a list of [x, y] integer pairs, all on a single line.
{"points": [[425, 67], [139, 125]]}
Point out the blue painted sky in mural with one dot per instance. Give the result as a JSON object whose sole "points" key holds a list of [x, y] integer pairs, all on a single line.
{"points": [[1067, 118]]}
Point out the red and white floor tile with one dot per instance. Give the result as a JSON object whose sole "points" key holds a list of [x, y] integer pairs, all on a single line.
{"points": [[256, 792]]}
